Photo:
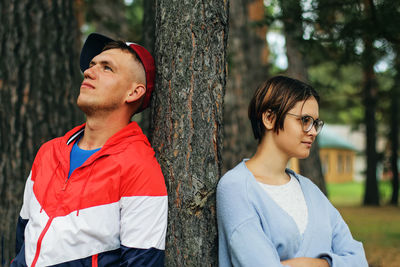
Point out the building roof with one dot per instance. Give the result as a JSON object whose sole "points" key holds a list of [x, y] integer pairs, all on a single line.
{"points": [[330, 139]]}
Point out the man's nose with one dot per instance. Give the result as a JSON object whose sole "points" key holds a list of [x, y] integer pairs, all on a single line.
{"points": [[90, 73]]}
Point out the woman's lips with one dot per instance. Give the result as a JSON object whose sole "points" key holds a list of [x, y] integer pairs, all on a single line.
{"points": [[308, 144]]}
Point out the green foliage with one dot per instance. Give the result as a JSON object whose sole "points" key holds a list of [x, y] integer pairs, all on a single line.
{"points": [[118, 19], [134, 15], [339, 88], [350, 194]]}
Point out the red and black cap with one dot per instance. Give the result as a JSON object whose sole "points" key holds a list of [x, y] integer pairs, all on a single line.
{"points": [[94, 45]]}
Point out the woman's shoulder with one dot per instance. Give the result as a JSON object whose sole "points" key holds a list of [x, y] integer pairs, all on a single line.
{"points": [[235, 198], [234, 178]]}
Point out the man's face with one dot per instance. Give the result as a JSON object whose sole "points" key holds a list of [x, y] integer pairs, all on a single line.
{"points": [[107, 81]]}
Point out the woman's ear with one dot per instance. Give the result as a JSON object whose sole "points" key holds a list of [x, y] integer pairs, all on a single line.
{"points": [[268, 119]]}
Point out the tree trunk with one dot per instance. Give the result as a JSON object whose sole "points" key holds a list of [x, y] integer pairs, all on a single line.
{"points": [[187, 120], [149, 25], [292, 21], [248, 56], [370, 94], [39, 81], [109, 18], [394, 130]]}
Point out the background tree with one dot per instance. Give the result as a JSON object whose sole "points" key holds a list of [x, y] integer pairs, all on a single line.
{"points": [[292, 14], [187, 122], [109, 18], [388, 14], [394, 129], [39, 82], [370, 94], [248, 57], [148, 40]]}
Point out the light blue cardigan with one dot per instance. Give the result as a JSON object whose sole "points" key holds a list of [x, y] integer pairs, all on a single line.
{"points": [[254, 231]]}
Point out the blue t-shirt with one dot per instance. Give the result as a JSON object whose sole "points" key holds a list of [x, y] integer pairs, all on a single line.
{"points": [[78, 156]]}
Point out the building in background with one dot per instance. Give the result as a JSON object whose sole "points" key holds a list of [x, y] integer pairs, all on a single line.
{"points": [[337, 157], [342, 153]]}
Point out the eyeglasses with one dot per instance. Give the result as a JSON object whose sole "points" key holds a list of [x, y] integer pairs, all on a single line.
{"points": [[308, 122]]}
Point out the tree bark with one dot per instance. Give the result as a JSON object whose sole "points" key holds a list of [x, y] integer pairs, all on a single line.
{"points": [[39, 81], [292, 20], [187, 120], [248, 57]]}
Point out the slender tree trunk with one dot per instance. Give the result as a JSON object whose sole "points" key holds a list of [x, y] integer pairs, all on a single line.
{"points": [[187, 120], [108, 18], [39, 81], [394, 131], [292, 20], [248, 56], [149, 26], [371, 195], [370, 94]]}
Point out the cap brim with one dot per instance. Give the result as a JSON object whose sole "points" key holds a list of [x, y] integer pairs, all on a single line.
{"points": [[93, 46]]}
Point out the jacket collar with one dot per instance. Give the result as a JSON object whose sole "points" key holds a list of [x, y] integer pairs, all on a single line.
{"points": [[131, 130]]}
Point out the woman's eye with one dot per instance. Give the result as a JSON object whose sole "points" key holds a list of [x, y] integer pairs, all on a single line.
{"points": [[107, 68], [306, 119]]}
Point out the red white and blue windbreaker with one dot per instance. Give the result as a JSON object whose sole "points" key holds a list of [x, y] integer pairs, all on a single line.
{"points": [[112, 211]]}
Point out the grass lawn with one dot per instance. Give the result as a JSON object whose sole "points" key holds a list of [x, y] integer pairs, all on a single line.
{"points": [[351, 194], [377, 227]]}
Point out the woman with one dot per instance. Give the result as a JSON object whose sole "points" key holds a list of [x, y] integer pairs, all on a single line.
{"points": [[267, 214]]}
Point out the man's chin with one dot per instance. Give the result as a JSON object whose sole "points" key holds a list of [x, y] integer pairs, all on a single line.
{"points": [[91, 109], [87, 108]]}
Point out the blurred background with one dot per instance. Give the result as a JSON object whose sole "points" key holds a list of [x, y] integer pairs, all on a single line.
{"points": [[348, 50]]}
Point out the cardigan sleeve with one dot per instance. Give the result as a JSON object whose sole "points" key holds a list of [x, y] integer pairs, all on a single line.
{"points": [[345, 250], [242, 241], [249, 246]]}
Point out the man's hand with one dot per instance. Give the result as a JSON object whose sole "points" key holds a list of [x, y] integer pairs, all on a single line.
{"points": [[306, 262]]}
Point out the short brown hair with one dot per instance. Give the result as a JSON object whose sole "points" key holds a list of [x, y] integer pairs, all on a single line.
{"points": [[278, 95], [122, 46]]}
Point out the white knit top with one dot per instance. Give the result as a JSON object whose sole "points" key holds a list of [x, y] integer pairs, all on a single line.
{"points": [[291, 199]]}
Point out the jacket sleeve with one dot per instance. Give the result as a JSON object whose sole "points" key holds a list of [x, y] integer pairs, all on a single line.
{"points": [[144, 212], [143, 230], [23, 219], [345, 250], [20, 237], [242, 241]]}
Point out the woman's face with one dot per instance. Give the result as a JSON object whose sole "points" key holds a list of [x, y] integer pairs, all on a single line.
{"points": [[292, 140]]}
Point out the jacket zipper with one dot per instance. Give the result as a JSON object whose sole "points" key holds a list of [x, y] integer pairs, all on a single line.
{"points": [[65, 185], [39, 242], [95, 260], [42, 234]]}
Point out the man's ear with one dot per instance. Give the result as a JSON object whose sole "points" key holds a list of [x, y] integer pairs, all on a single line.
{"points": [[268, 120], [136, 92]]}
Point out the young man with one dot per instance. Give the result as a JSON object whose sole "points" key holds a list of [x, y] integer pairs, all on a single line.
{"points": [[97, 197]]}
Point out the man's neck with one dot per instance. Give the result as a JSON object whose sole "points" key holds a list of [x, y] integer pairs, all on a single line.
{"points": [[99, 129]]}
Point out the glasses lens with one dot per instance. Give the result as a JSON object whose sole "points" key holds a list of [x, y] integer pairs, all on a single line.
{"points": [[307, 123], [318, 126]]}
